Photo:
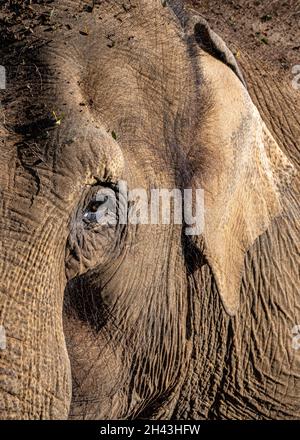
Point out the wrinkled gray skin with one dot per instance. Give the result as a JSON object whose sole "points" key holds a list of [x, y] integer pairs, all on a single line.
{"points": [[128, 322]]}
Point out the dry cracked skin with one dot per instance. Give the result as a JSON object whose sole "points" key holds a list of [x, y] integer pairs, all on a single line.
{"points": [[143, 321]]}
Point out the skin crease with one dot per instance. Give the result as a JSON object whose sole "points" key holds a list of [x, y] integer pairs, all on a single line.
{"points": [[142, 321]]}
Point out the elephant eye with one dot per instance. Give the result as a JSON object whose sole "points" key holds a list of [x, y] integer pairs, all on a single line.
{"points": [[95, 205], [102, 208]]}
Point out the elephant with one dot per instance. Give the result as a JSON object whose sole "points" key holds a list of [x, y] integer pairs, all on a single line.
{"points": [[142, 321]]}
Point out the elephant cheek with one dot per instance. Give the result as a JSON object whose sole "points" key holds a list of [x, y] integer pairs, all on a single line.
{"points": [[35, 378]]}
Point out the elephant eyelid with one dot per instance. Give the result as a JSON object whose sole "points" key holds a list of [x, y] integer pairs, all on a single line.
{"points": [[101, 208], [99, 183]]}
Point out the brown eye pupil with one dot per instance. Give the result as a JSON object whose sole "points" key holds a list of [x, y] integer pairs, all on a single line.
{"points": [[97, 209], [94, 207]]}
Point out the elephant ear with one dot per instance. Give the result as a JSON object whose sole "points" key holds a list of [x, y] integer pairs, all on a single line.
{"points": [[209, 41], [206, 38], [247, 173]]}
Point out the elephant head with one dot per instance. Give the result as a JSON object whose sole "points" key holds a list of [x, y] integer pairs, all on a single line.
{"points": [[141, 92]]}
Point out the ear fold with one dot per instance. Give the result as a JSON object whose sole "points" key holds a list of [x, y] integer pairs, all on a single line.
{"points": [[209, 41], [243, 188]]}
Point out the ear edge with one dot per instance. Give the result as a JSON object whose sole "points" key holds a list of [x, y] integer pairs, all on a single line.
{"points": [[226, 247]]}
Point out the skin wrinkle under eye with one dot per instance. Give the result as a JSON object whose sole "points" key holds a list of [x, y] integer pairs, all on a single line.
{"points": [[146, 332]]}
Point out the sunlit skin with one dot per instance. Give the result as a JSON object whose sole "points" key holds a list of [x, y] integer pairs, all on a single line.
{"points": [[126, 321]]}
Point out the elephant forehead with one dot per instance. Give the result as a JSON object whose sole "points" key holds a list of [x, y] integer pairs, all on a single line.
{"points": [[121, 72], [135, 99], [110, 90]]}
